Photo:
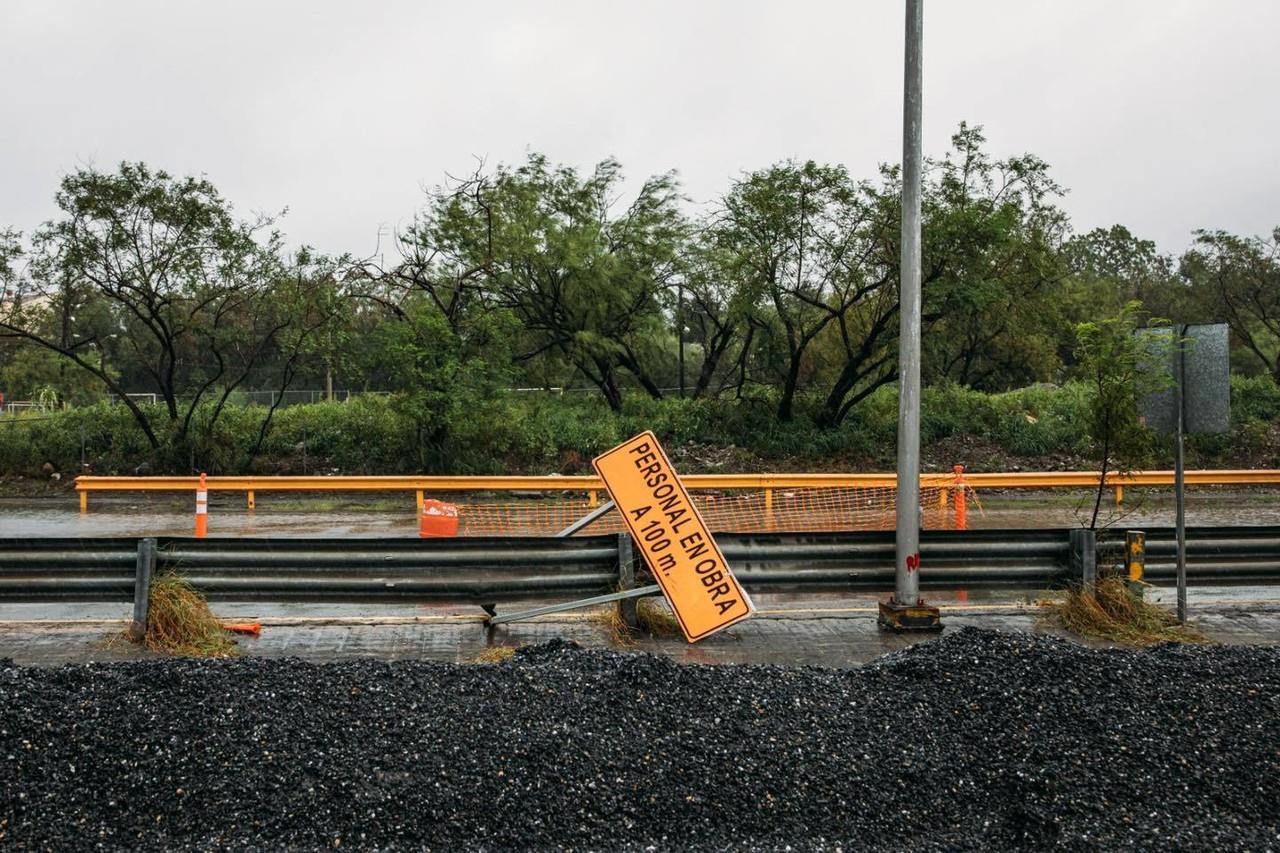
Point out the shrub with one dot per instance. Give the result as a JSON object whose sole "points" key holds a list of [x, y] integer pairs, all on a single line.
{"points": [[545, 433], [1254, 398]]}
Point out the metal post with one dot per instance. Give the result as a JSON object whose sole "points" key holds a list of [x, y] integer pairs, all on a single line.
{"points": [[680, 332], [1084, 557], [146, 566], [906, 595], [907, 583], [627, 580], [638, 592], [1179, 484], [1135, 555], [581, 523]]}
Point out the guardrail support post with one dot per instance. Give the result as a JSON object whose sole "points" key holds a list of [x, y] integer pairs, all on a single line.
{"points": [[1084, 557], [1135, 551], [146, 566], [250, 500], [627, 580], [1119, 496], [84, 501]]}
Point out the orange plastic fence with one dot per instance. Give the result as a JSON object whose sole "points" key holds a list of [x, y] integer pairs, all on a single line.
{"points": [[780, 510], [529, 505]]}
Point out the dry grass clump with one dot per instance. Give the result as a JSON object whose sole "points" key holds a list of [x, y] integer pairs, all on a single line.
{"points": [[656, 619], [494, 654], [653, 617], [1114, 613], [179, 622]]}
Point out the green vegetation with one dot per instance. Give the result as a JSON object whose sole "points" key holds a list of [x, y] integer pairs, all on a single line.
{"points": [[774, 307], [542, 434], [1119, 368]]}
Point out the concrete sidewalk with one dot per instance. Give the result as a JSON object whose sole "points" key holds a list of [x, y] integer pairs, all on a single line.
{"points": [[834, 631]]}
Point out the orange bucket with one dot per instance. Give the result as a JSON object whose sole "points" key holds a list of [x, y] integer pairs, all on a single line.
{"points": [[437, 519]]}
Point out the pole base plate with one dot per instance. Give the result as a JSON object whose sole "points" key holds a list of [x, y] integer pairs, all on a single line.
{"points": [[909, 617]]}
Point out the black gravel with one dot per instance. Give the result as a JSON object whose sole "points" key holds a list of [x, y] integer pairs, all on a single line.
{"points": [[981, 740]]}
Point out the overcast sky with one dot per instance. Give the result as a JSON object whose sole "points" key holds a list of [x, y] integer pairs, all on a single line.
{"points": [[1157, 114]]}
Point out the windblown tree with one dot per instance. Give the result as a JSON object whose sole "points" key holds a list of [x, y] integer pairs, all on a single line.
{"points": [[1117, 267], [793, 240], [992, 267], [585, 279], [1237, 279], [154, 272], [11, 297], [719, 314], [314, 313]]}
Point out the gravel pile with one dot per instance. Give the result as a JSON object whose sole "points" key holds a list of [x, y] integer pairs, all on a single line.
{"points": [[981, 740]]}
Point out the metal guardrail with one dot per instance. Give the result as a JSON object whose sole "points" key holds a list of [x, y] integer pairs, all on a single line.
{"points": [[485, 570]]}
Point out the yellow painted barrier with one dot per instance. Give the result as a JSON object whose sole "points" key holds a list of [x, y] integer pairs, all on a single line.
{"points": [[498, 506], [420, 485]]}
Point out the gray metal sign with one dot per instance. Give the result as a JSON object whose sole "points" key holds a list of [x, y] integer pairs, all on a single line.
{"points": [[1205, 379]]}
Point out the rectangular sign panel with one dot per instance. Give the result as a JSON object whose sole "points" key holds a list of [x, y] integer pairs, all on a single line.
{"points": [[1204, 358], [675, 541]]}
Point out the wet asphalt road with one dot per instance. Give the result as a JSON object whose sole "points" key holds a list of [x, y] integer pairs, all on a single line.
{"points": [[155, 514]]}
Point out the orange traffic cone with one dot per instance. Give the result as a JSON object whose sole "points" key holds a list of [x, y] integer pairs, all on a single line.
{"points": [[202, 508]]}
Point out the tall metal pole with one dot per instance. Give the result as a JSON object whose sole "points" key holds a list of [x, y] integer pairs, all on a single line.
{"points": [[1179, 473], [680, 332], [907, 579]]}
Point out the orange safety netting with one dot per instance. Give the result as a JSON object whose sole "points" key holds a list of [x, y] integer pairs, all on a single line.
{"points": [[775, 510]]}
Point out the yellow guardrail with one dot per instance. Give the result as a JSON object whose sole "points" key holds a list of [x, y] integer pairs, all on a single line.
{"points": [[592, 485]]}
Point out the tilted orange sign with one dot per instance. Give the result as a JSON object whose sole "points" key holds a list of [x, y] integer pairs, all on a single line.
{"points": [[673, 538]]}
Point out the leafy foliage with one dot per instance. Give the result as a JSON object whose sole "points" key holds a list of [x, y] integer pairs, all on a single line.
{"points": [[776, 304], [1119, 368]]}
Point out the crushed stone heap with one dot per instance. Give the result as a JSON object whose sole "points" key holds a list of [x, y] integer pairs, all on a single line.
{"points": [[980, 740]]}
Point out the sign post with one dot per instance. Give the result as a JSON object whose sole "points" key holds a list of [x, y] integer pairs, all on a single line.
{"points": [[1199, 401], [672, 537]]}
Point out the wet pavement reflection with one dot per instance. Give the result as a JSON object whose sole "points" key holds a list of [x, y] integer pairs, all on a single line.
{"points": [[167, 515]]}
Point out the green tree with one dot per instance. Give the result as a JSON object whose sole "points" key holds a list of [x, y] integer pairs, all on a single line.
{"points": [[795, 240], [992, 233], [1118, 267], [153, 270], [314, 312], [718, 312], [584, 280], [442, 375], [1237, 279], [1120, 368]]}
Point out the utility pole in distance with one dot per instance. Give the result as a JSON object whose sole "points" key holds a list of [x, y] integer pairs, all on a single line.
{"points": [[906, 611]]}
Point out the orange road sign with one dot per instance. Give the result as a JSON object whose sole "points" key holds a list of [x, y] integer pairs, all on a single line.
{"points": [[672, 537]]}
